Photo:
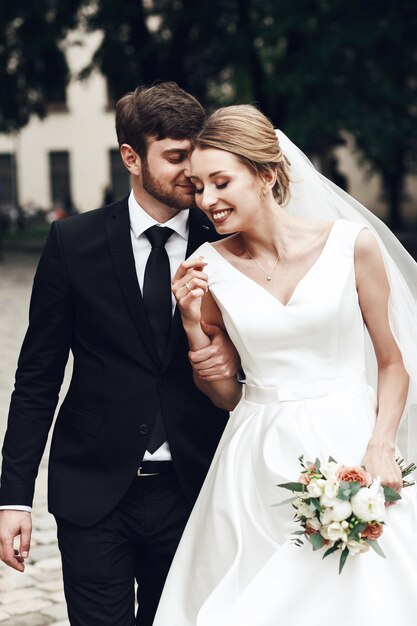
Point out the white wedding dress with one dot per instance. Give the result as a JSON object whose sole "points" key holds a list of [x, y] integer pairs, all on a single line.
{"points": [[306, 393]]}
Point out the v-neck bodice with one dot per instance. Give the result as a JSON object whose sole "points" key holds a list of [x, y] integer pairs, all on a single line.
{"points": [[315, 336], [311, 269]]}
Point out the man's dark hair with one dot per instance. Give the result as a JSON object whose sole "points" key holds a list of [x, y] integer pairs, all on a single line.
{"points": [[160, 111]]}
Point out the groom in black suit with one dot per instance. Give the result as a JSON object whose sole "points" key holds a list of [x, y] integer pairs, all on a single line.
{"points": [[134, 437]]}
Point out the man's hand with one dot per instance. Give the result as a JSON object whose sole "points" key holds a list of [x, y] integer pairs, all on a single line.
{"points": [[218, 361], [14, 524]]}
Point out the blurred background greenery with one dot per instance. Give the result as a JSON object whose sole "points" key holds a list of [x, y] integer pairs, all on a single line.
{"points": [[323, 70]]}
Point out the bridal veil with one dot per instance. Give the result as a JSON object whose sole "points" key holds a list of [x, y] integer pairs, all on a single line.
{"points": [[313, 196]]}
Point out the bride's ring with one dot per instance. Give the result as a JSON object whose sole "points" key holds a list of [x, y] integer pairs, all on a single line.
{"points": [[186, 285]]}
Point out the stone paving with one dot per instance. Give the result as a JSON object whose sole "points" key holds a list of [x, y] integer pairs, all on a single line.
{"points": [[34, 598]]}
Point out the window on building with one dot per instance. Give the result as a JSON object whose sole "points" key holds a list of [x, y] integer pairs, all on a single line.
{"points": [[119, 176], [57, 100], [56, 88], [111, 96], [8, 181], [59, 171]]}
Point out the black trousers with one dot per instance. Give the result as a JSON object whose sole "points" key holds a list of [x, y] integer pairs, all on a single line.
{"points": [[137, 541]]}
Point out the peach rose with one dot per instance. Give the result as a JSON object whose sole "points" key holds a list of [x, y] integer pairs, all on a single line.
{"points": [[304, 479], [354, 474], [305, 476], [372, 531]]}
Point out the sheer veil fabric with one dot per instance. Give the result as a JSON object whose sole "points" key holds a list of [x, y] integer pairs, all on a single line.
{"points": [[313, 196]]}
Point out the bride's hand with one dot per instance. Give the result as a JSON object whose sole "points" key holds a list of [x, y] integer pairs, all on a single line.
{"points": [[381, 462], [189, 285]]}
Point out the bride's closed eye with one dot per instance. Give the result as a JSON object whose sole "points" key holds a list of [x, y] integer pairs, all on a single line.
{"points": [[222, 186]]}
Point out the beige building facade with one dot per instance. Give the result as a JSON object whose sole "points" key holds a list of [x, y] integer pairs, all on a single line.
{"points": [[71, 156]]}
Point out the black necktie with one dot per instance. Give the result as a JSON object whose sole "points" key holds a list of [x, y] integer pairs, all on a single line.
{"points": [[158, 304]]}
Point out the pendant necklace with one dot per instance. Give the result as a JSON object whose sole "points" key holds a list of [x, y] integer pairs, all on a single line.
{"points": [[284, 246]]}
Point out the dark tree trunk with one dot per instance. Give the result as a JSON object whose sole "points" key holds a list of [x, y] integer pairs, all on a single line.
{"points": [[176, 62], [250, 56], [142, 41], [393, 183]]}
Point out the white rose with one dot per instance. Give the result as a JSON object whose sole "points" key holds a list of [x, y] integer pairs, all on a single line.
{"points": [[330, 469], [332, 487], [334, 510], [316, 487], [315, 524], [368, 505], [324, 534], [357, 547], [335, 531], [304, 509]]}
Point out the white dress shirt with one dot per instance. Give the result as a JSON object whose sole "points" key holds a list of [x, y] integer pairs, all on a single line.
{"points": [[176, 248]]}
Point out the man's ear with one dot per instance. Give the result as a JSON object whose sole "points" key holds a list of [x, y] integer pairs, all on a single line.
{"points": [[131, 159]]}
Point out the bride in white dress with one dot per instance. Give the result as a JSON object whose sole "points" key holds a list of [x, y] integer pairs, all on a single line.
{"points": [[298, 298]]}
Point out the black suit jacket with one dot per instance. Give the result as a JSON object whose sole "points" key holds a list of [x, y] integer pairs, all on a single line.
{"points": [[86, 299]]}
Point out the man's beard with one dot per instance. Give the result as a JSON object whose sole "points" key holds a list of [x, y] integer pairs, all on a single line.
{"points": [[166, 195]]}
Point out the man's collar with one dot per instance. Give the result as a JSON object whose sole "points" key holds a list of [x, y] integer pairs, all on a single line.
{"points": [[141, 221]]}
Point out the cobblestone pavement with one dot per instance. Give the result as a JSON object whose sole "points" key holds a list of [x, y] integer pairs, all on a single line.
{"points": [[34, 598]]}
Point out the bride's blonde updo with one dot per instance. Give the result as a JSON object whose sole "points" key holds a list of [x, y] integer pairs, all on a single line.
{"points": [[247, 133]]}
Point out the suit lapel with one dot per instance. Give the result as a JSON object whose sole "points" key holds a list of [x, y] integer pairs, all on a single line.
{"points": [[118, 233], [200, 231]]}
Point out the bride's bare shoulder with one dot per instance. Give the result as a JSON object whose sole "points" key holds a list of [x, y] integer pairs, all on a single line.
{"points": [[309, 235], [229, 246], [313, 228]]}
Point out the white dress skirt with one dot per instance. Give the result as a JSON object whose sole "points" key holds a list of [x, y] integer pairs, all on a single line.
{"points": [[306, 393]]}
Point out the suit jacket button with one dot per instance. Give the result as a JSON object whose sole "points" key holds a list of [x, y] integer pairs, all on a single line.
{"points": [[144, 429]]}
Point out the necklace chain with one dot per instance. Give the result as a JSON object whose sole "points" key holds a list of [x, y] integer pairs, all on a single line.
{"points": [[284, 247]]}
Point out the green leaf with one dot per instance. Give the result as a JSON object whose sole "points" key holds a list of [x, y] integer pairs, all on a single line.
{"points": [[317, 464], [316, 540], [332, 460], [354, 488], [375, 545], [343, 557], [299, 487], [288, 501], [344, 491], [347, 490], [298, 532], [408, 470], [316, 503], [356, 530], [390, 494], [332, 549]]}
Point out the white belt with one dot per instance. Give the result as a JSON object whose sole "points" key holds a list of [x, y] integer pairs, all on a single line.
{"points": [[271, 395]]}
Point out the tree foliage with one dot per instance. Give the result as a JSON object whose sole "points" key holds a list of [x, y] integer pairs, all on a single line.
{"points": [[33, 67], [317, 68]]}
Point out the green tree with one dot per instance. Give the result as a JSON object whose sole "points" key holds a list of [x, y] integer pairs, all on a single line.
{"points": [[384, 119], [337, 66], [317, 68], [33, 68]]}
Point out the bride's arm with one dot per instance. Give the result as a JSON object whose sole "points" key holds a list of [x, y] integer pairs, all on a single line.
{"points": [[198, 309], [373, 290]]}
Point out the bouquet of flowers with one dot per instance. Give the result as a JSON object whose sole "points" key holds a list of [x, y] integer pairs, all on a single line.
{"points": [[341, 508]]}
